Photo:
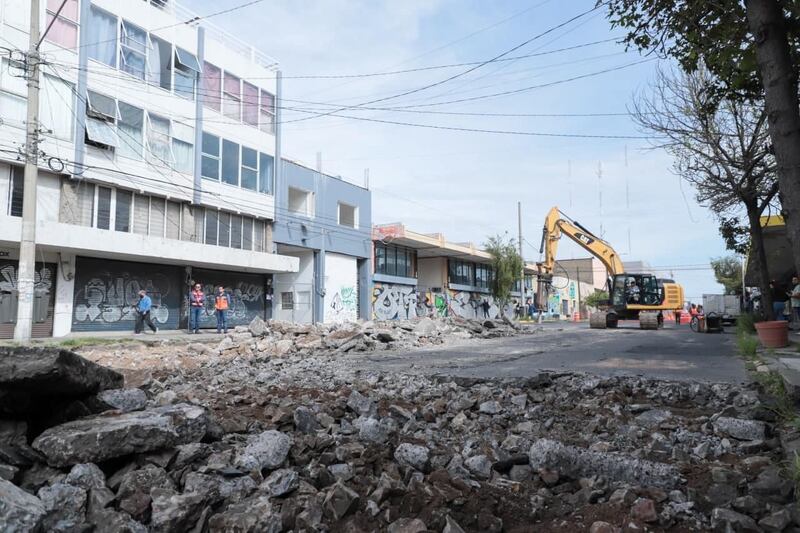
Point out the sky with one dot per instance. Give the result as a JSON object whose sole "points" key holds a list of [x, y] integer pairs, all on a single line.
{"points": [[467, 184]]}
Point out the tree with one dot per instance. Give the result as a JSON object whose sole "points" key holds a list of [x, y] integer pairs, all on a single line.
{"points": [[752, 50], [728, 272], [722, 149], [506, 269], [596, 299]]}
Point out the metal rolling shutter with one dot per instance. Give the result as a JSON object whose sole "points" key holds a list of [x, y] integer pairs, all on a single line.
{"points": [[45, 294], [247, 291], [106, 291]]}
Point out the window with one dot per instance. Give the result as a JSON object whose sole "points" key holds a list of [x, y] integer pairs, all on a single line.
{"points": [[230, 162], [64, 30], [101, 36], [287, 301], [122, 215], [212, 86], [172, 226], [141, 213], [183, 147], [249, 169], [56, 108], [103, 208], [101, 118], [158, 139], [258, 236], [250, 98], [236, 231], [133, 49], [224, 229], [461, 272], [266, 171], [267, 112], [187, 68], [157, 217], [130, 128], [483, 276], [232, 97], [380, 259], [247, 233], [300, 202], [209, 168], [17, 13], [17, 191], [212, 220], [348, 215], [159, 62]]}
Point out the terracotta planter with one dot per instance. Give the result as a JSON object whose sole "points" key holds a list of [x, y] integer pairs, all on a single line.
{"points": [[773, 334]]}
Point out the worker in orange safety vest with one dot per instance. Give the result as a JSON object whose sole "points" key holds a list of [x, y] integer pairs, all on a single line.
{"points": [[222, 302]]}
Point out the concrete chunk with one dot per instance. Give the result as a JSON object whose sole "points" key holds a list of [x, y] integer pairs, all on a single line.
{"points": [[740, 428], [103, 437], [19, 511], [53, 372], [578, 462]]}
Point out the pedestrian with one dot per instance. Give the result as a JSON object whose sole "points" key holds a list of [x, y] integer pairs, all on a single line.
{"points": [[485, 306], [693, 310], [531, 309], [222, 302], [197, 302], [143, 307], [678, 317], [778, 294], [795, 296]]}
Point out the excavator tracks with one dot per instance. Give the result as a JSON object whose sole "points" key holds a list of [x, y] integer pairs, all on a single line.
{"points": [[650, 320]]}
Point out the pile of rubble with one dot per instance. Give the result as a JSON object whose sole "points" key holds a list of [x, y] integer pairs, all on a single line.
{"points": [[309, 443], [279, 338]]}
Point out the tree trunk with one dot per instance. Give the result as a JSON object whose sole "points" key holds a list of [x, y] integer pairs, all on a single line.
{"points": [[768, 26], [758, 255]]}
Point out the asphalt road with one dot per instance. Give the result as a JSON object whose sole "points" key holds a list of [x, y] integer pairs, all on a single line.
{"points": [[674, 352]]}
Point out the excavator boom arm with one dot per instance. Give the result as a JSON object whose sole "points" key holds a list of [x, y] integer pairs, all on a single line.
{"points": [[557, 224]]}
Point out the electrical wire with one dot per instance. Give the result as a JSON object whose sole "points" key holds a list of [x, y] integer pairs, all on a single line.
{"points": [[460, 74]]}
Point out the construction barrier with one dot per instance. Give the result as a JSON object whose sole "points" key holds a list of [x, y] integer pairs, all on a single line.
{"points": [[576, 316]]}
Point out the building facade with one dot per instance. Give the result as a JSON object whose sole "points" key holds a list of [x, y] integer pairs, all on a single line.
{"points": [[324, 222], [418, 274], [157, 166]]}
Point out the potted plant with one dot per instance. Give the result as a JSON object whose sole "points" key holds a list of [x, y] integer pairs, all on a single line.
{"points": [[773, 333]]}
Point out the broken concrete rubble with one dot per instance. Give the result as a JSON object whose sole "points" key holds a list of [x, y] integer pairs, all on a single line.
{"points": [[100, 438], [307, 442]]}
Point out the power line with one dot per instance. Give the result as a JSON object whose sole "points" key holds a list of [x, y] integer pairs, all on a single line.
{"points": [[460, 74], [384, 73], [500, 132]]}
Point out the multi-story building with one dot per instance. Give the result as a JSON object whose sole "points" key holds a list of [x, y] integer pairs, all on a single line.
{"points": [[325, 222], [417, 274], [157, 165]]}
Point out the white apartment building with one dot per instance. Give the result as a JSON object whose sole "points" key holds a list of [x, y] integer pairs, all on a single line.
{"points": [[157, 165]]}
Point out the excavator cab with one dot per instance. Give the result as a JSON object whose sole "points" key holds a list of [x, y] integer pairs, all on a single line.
{"points": [[635, 289]]}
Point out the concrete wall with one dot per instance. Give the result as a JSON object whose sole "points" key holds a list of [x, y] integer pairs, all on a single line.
{"points": [[300, 284], [341, 288], [432, 272]]}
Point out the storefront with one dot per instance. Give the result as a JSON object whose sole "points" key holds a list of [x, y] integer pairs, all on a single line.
{"points": [[44, 298], [106, 293], [249, 296]]}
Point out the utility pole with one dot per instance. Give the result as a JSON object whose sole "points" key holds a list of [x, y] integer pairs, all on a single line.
{"points": [[27, 247], [522, 278]]}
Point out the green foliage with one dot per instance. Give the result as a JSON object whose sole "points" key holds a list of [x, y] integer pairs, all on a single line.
{"points": [[746, 324], [748, 345], [699, 32], [506, 268], [728, 272], [79, 342], [596, 299]]}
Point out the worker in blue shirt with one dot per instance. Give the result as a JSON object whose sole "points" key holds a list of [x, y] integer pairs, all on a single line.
{"points": [[143, 313]]}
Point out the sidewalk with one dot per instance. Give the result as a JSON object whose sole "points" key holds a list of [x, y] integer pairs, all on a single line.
{"points": [[111, 337]]}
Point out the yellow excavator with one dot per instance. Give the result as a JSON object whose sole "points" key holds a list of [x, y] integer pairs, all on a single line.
{"points": [[632, 296]]}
